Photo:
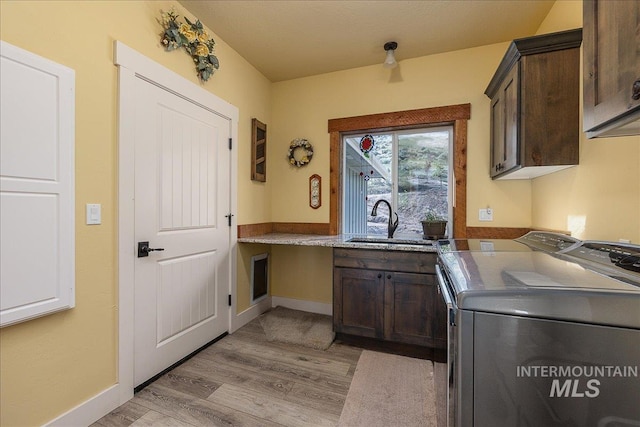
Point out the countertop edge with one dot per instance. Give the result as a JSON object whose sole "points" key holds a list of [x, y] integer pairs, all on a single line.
{"points": [[337, 241]]}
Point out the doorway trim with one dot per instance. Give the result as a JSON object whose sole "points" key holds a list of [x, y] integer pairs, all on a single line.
{"points": [[131, 66]]}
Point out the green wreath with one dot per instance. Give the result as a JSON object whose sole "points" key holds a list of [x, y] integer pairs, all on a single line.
{"points": [[300, 144]]}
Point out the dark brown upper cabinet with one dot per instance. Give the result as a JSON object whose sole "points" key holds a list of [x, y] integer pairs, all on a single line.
{"points": [[611, 55], [258, 150], [535, 106]]}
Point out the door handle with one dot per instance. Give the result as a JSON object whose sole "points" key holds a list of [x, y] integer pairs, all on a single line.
{"points": [[144, 249]]}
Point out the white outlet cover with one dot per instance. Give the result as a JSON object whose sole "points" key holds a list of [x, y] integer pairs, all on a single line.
{"points": [[486, 214]]}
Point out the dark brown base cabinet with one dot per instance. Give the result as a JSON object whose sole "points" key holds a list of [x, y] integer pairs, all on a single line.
{"points": [[389, 296]]}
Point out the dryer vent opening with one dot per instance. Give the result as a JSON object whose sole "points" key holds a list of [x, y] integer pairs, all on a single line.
{"points": [[259, 277]]}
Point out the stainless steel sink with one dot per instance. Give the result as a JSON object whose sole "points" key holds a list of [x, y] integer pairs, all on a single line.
{"points": [[392, 241]]}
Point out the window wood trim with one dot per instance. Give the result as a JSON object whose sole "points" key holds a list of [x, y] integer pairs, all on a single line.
{"points": [[453, 115]]}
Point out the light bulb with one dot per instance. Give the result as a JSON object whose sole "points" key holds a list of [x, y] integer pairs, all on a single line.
{"points": [[390, 61]]}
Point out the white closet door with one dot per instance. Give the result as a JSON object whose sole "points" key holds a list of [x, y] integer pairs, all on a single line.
{"points": [[37, 226]]}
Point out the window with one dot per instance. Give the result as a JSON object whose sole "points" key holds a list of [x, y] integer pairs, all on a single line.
{"points": [[408, 168], [456, 116]]}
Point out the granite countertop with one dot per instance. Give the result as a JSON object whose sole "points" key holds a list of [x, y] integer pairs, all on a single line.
{"points": [[344, 241]]}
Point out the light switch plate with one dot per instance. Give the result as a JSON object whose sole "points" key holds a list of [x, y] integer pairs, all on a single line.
{"points": [[94, 214], [486, 214]]}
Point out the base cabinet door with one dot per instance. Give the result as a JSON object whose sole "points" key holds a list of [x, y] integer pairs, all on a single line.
{"points": [[409, 307], [358, 302]]}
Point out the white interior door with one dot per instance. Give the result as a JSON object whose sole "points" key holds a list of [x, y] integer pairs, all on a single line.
{"points": [[182, 181]]}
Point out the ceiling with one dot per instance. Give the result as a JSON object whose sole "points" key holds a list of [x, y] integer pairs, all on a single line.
{"points": [[288, 39]]}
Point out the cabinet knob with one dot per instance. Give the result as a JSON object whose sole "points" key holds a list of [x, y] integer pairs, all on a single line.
{"points": [[635, 90], [388, 276], [380, 276]]}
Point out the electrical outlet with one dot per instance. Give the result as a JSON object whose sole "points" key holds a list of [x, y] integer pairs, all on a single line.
{"points": [[486, 214], [486, 246]]}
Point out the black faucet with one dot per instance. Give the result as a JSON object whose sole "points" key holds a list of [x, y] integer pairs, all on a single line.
{"points": [[392, 224]]}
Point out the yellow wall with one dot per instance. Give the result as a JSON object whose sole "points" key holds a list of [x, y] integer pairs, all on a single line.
{"points": [[51, 364], [599, 199], [302, 273], [302, 107]]}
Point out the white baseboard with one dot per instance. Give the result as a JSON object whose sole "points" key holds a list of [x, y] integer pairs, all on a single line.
{"points": [[249, 314], [298, 304], [91, 410]]}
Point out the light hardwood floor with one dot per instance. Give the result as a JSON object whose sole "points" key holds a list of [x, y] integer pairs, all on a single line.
{"points": [[245, 380]]}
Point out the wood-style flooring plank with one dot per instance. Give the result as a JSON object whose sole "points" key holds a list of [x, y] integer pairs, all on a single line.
{"points": [[123, 416], [189, 381], [316, 362], [256, 363], [217, 371], [271, 408], [313, 397], [245, 380], [156, 419], [192, 410]]}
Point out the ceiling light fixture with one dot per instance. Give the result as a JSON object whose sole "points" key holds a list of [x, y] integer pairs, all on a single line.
{"points": [[390, 60]]}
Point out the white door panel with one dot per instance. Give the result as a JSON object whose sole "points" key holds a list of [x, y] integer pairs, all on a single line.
{"points": [[182, 179], [37, 186]]}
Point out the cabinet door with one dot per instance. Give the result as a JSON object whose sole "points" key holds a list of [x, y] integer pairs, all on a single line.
{"points": [[497, 133], [358, 302], [611, 60], [504, 125], [409, 308], [549, 128]]}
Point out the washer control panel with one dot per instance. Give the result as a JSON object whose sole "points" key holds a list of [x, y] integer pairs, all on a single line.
{"points": [[549, 242], [609, 254]]}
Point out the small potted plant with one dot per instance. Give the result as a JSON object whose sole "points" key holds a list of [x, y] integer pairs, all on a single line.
{"points": [[433, 226]]}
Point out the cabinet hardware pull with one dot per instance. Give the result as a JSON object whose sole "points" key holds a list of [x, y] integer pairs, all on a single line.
{"points": [[635, 90], [380, 276], [388, 276]]}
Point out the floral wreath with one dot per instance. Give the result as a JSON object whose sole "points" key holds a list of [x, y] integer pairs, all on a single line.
{"points": [[303, 144], [195, 41]]}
